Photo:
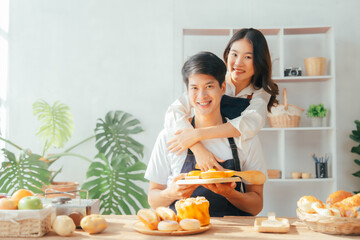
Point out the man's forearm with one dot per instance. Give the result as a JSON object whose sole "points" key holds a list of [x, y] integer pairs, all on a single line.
{"points": [[250, 202], [159, 198]]}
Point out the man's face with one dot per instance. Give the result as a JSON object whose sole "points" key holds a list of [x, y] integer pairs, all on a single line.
{"points": [[205, 94]]}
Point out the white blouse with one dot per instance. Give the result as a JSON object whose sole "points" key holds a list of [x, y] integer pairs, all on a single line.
{"points": [[250, 122]]}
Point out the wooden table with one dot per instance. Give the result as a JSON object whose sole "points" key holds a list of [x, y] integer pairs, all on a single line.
{"points": [[121, 227]]}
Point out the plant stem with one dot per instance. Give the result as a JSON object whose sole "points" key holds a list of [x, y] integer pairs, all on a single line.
{"points": [[11, 143], [83, 141], [55, 156]]}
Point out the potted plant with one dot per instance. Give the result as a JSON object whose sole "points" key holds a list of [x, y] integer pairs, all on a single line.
{"points": [[29, 170], [317, 113], [356, 149], [112, 178]]}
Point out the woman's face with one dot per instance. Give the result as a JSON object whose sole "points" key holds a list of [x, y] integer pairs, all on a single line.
{"points": [[240, 61]]}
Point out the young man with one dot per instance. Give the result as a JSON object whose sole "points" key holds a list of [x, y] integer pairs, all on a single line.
{"points": [[204, 76]]}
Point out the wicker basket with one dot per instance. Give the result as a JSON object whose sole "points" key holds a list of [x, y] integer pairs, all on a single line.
{"points": [[285, 115], [25, 223], [330, 225]]}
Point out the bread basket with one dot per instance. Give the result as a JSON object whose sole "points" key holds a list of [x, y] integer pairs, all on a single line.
{"points": [[285, 115], [25, 223], [330, 225]]}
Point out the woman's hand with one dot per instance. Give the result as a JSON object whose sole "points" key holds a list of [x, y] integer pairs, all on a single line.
{"points": [[183, 140], [176, 191], [205, 159], [223, 189]]}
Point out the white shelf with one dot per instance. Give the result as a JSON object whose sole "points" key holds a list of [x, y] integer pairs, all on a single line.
{"points": [[298, 129], [289, 180], [302, 79], [289, 149]]}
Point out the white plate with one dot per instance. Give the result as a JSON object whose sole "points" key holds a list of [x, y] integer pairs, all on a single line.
{"points": [[208, 180]]}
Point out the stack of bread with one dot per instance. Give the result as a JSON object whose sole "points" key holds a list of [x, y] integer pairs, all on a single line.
{"points": [[192, 213], [338, 204]]}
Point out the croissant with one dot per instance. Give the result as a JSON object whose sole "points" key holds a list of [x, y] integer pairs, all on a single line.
{"points": [[337, 197]]}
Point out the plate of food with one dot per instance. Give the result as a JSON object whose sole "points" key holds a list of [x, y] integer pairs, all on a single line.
{"points": [[214, 176], [192, 218], [167, 229]]}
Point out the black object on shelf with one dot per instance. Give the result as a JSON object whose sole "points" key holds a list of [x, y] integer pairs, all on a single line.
{"points": [[321, 170]]}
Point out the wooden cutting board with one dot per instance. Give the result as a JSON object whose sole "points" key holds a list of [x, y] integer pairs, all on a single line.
{"points": [[208, 181], [140, 227]]}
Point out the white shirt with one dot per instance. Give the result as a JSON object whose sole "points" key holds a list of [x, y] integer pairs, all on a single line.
{"points": [[164, 165], [250, 122]]}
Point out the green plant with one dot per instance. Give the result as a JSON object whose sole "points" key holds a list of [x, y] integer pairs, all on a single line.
{"points": [[316, 110], [112, 177], [356, 149], [30, 170]]}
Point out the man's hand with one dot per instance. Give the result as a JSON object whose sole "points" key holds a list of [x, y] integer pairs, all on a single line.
{"points": [[176, 191], [183, 140], [223, 189]]}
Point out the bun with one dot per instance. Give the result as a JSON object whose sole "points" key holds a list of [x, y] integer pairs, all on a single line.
{"points": [[321, 209], [166, 213], [305, 203], [197, 208], [337, 197], [349, 207], [149, 218], [190, 224], [168, 226], [212, 173]]}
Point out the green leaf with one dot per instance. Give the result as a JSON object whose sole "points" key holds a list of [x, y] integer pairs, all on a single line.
{"points": [[116, 193], [56, 123], [357, 174], [356, 149], [357, 162], [26, 172], [112, 135]]}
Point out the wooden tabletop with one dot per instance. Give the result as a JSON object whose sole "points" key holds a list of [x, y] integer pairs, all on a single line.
{"points": [[121, 227]]}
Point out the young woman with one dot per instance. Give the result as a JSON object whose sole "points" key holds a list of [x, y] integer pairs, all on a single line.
{"points": [[248, 64]]}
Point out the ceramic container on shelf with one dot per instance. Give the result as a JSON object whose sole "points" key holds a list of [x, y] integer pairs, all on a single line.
{"points": [[317, 121], [315, 66]]}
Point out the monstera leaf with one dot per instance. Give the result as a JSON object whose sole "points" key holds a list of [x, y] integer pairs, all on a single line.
{"points": [[56, 123], [112, 136], [27, 172], [114, 183]]}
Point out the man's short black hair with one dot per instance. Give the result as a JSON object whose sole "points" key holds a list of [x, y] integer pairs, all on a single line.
{"points": [[204, 63]]}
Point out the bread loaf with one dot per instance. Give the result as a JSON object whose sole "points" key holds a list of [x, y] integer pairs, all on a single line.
{"points": [[166, 213], [337, 197], [149, 218], [197, 208]]}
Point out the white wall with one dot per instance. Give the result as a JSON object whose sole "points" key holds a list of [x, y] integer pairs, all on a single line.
{"points": [[98, 56]]}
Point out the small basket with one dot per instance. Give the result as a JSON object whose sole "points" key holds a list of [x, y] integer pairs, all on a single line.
{"points": [[25, 223], [330, 225], [285, 115]]}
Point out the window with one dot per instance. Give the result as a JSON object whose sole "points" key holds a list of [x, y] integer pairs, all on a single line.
{"points": [[4, 46]]}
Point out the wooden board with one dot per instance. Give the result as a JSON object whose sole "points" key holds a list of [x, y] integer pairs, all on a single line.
{"points": [[208, 181], [141, 228]]}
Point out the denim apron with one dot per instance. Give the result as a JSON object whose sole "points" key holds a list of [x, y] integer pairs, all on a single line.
{"points": [[219, 205]]}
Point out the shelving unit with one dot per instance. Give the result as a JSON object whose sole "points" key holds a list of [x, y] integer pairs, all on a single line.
{"points": [[289, 149]]}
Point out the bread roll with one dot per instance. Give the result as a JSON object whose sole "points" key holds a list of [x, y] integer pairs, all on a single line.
{"points": [[212, 173], [149, 218], [166, 213], [190, 224], [168, 226], [305, 203], [321, 209], [337, 197]]}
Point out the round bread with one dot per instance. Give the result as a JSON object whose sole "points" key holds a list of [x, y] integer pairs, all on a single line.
{"points": [[166, 213], [168, 226], [149, 218], [337, 197], [190, 224], [305, 203]]}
